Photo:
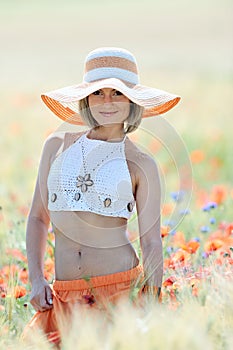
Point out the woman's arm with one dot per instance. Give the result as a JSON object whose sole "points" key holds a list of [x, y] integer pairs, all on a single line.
{"points": [[148, 199], [37, 230]]}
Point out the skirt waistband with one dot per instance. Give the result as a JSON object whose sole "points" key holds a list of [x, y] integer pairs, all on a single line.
{"points": [[99, 281]]}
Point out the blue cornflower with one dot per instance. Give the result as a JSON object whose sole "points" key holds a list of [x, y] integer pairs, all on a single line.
{"points": [[212, 221], [169, 223], [170, 249], [184, 211], [205, 229], [209, 206], [213, 205], [206, 208], [177, 196], [172, 232]]}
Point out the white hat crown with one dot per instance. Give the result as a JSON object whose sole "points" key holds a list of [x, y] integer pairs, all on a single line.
{"points": [[111, 62]]}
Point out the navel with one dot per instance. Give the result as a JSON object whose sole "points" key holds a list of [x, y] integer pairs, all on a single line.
{"points": [[79, 258]]}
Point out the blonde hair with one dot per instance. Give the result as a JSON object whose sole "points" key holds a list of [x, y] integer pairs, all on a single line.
{"points": [[132, 122]]}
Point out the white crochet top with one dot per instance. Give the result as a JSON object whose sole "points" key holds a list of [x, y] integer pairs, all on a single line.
{"points": [[92, 175]]}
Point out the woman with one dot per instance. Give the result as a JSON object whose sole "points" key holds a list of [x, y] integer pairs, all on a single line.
{"points": [[89, 184]]}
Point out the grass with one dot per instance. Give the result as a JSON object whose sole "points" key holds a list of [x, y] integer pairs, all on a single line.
{"points": [[197, 323]]}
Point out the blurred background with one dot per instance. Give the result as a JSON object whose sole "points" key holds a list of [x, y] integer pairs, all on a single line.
{"points": [[181, 46]]}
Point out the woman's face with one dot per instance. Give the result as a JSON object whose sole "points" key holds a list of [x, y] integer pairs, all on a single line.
{"points": [[109, 106]]}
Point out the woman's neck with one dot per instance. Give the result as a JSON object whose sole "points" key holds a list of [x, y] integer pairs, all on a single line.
{"points": [[107, 133]]}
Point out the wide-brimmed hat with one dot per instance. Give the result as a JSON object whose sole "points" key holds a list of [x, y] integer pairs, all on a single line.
{"points": [[108, 67]]}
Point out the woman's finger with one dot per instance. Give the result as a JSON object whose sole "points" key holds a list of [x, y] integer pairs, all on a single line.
{"points": [[48, 296]]}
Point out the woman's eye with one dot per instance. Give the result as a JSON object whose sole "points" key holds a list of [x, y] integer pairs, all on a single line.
{"points": [[118, 93], [96, 93]]}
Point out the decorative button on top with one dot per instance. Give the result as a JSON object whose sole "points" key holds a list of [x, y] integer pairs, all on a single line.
{"points": [[77, 196], [107, 202], [130, 206], [53, 197]]}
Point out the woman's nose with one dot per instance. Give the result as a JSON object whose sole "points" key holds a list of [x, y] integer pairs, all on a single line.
{"points": [[107, 98]]}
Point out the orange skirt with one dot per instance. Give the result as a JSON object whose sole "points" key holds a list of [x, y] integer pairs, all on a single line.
{"points": [[94, 293]]}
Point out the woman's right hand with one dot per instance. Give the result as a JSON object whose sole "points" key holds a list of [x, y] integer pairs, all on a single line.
{"points": [[41, 296]]}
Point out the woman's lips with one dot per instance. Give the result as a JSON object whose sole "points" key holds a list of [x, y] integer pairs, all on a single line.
{"points": [[108, 114]]}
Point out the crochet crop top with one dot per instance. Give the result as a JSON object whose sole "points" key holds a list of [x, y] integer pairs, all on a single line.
{"points": [[91, 175]]}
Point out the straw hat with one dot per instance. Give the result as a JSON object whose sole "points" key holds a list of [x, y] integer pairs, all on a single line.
{"points": [[108, 67]]}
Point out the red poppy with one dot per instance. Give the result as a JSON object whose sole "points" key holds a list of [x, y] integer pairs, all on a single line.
{"points": [[197, 156], [169, 281], [2, 294], [23, 276], [192, 247], [213, 245], [16, 253], [173, 295], [179, 258], [19, 291], [229, 229], [9, 271], [218, 194], [178, 239], [167, 209], [195, 291], [164, 231]]}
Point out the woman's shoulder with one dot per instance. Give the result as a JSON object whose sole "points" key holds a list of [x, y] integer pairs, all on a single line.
{"points": [[138, 156], [57, 142], [71, 137], [62, 137]]}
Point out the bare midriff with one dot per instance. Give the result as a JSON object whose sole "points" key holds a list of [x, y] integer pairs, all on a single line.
{"points": [[88, 245]]}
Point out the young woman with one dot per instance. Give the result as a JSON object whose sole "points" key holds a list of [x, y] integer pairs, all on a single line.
{"points": [[89, 184]]}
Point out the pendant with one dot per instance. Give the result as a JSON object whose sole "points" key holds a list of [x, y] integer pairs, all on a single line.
{"points": [[84, 182]]}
